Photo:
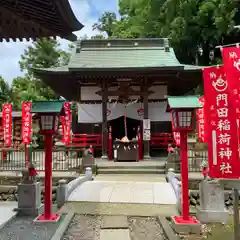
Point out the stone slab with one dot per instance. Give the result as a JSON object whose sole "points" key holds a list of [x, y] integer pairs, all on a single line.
{"points": [[114, 222], [124, 192], [116, 234], [186, 228]]}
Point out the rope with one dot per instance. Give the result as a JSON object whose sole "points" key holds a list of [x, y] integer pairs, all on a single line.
{"points": [[125, 120]]}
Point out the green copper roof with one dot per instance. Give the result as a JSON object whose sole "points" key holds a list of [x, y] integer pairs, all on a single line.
{"points": [[183, 102], [122, 54], [47, 106]]}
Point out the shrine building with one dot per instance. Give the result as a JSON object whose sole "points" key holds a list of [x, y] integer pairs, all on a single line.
{"points": [[117, 84]]}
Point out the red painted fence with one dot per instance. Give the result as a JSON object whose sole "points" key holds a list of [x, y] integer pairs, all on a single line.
{"points": [[158, 140]]}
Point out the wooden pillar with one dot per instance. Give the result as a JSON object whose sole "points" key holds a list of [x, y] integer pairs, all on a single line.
{"points": [[146, 143], [104, 120], [75, 109]]}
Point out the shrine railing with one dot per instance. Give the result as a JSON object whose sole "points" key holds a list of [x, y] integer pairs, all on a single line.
{"points": [[85, 140], [15, 160], [161, 140]]}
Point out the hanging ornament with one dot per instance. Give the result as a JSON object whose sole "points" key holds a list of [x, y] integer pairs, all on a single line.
{"points": [[108, 112], [125, 120], [140, 112]]}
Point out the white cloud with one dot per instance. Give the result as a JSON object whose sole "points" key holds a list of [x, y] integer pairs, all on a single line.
{"points": [[86, 11]]}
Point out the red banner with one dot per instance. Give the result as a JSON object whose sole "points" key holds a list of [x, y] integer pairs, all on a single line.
{"points": [[176, 136], [231, 60], [7, 124], [221, 125], [26, 122], [67, 123], [200, 121]]}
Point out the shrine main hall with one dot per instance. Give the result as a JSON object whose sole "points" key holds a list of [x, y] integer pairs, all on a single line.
{"points": [[119, 84]]}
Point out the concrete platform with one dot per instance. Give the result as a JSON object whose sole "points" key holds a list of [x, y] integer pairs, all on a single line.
{"points": [[124, 192], [7, 213]]}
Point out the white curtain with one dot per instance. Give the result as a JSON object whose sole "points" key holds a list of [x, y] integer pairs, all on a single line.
{"points": [[92, 113]]}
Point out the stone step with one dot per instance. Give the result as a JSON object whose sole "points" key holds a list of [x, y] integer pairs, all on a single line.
{"points": [[162, 166], [130, 171], [120, 209]]}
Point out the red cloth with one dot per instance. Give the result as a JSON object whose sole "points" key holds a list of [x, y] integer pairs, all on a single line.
{"points": [[205, 171], [32, 172], [92, 150], [170, 149]]}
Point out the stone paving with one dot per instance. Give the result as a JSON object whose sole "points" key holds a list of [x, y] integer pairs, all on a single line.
{"points": [[124, 192], [23, 228], [7, 213], [83, 228], [92, 227]]}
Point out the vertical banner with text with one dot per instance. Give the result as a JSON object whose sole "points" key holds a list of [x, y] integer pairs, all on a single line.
{"points": [[26, 122], [221, 125], [231, 60], [7, 124], [176, 136], [67, 124], [62, 119], [200, 121]]}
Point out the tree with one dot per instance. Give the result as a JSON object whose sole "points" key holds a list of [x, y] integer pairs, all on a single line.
{"points": [[44, 53], [194, 27], [6, 95], [25, 89], [106, 23]]}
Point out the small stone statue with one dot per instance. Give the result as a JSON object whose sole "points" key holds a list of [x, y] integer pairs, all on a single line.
{"points": [[25, 175], [29, 175]]}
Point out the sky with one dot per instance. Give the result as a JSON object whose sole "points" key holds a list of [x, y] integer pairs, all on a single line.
{"points": [[86, 11]]}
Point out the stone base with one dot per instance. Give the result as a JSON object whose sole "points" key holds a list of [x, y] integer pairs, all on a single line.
{"points": [[29, 199], [53, 219], [147, 158], [28, 211], [191, 226], [104, 157], [206, 216]]}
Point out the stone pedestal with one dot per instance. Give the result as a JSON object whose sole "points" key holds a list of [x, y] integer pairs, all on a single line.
{"points": [[29, 198], [173, 161], [212, 207]]}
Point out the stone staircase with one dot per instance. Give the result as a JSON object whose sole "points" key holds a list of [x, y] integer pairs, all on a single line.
{"points": [[132, 169]]}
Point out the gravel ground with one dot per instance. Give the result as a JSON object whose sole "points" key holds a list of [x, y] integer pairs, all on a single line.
{"points": [[145, 228], [83, 228], [88, 227], [23, 228]]}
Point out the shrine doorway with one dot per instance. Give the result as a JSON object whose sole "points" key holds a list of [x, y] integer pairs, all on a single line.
{"points": [[118, 130]]}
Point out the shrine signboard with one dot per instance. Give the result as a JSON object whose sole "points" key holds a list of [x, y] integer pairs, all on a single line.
{"points": [[221, 125], [146, 129]]}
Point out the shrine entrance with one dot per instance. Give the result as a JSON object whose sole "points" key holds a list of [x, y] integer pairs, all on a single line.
{"points": [[118, 128]]}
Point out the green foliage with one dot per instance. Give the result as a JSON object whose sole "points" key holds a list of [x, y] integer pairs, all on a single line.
{"points": [[106, 23], [44, 53], [194, 27], [191, 25], [6, 95]]}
